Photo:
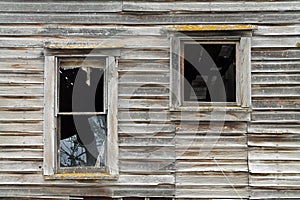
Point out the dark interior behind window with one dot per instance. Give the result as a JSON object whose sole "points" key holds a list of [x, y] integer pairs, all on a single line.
{"points": [[209, 72]]}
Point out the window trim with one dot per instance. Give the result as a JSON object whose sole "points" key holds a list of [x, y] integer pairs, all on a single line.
{"points": [[50, 116], [243, 72]]}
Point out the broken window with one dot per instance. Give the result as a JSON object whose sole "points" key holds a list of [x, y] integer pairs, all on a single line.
{"points": [[209, 72], [80, 115]]}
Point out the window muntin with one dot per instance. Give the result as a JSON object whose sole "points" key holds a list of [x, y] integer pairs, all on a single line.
{"points": [[208, 71], [82, 129]]}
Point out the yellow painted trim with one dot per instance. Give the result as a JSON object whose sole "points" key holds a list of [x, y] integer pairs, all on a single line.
{"points": [[81, 176], [210, 27]]}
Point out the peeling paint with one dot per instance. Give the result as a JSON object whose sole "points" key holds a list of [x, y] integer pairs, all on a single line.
{"points": [[210, 27]]}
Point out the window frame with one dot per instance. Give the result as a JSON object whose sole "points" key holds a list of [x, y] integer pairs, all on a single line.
{"points": [[243, 71], [51, 148]]}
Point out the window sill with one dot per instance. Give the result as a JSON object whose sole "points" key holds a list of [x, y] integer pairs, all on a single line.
{"points": [[82, 176]]}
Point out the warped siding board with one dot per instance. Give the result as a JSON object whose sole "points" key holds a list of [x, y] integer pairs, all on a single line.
{"points": [[17, 101], [143, 104], [274, 128], [276, 103], [260, 193], [21, 79], [140, 90], [144, 54], [143, 79], [63, 7], [19, 141], [280, 180], [276, 116], [78, 30], [22, 128], [276, 66], [21, 154], [212, 179], [191, 116], [29, 91], [276, 42], [275, 166], [276, 154], [20, 167], [145, 129], [275, 79], [16, 65], [24, 116], [155, 19], [262, 91], [160, 66], [274, 140], [143, 153], [242, 6], [21, 53], [110, 42], [277, 55], [278, 30], [228, 192]]}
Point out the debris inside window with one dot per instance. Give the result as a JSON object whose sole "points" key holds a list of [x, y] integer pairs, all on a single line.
{"points": [[206, 67]]}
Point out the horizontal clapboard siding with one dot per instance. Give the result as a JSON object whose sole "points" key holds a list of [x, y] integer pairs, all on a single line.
{"points": [[274, 132], [184, 155]]}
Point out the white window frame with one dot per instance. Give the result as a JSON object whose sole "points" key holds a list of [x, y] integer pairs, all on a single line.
{"points": [[243, 72], [50, 167]]}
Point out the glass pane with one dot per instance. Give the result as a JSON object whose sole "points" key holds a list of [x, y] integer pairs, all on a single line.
{"points": [[81, 85], [209, 72], [82, 141]]}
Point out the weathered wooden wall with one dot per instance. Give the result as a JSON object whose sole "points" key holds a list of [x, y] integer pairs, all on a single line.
{"points": [[259, 159]]}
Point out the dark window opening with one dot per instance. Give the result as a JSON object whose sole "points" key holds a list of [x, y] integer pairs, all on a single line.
{"points": [[209, 72], [81, 112]]}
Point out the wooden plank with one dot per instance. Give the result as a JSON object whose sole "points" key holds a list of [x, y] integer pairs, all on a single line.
{"points": [[270, 154], [21, 154], [228, 192], [277, 30], [213, 179], [79, 30], [20, 103], [145, 153], [21, 140], [21, 116], [20, 166], [274, 140], [208, 141], [141, 90], [81, 43], [197, 18], [143, 104], [186, 128], [210, 6], [22, 127], [212, 166], [147, 166], [142, 128], [26, 90], [276, 54], [160, 66], [21, 53], [275, 91], [211, 116], [276, 116], [276, 66], [143, 79], [269, 193], [271, 79], [262, 42], [276, 104], [64, 7], [147, 141], [274, 166], [274, 128], [144, 54]]}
